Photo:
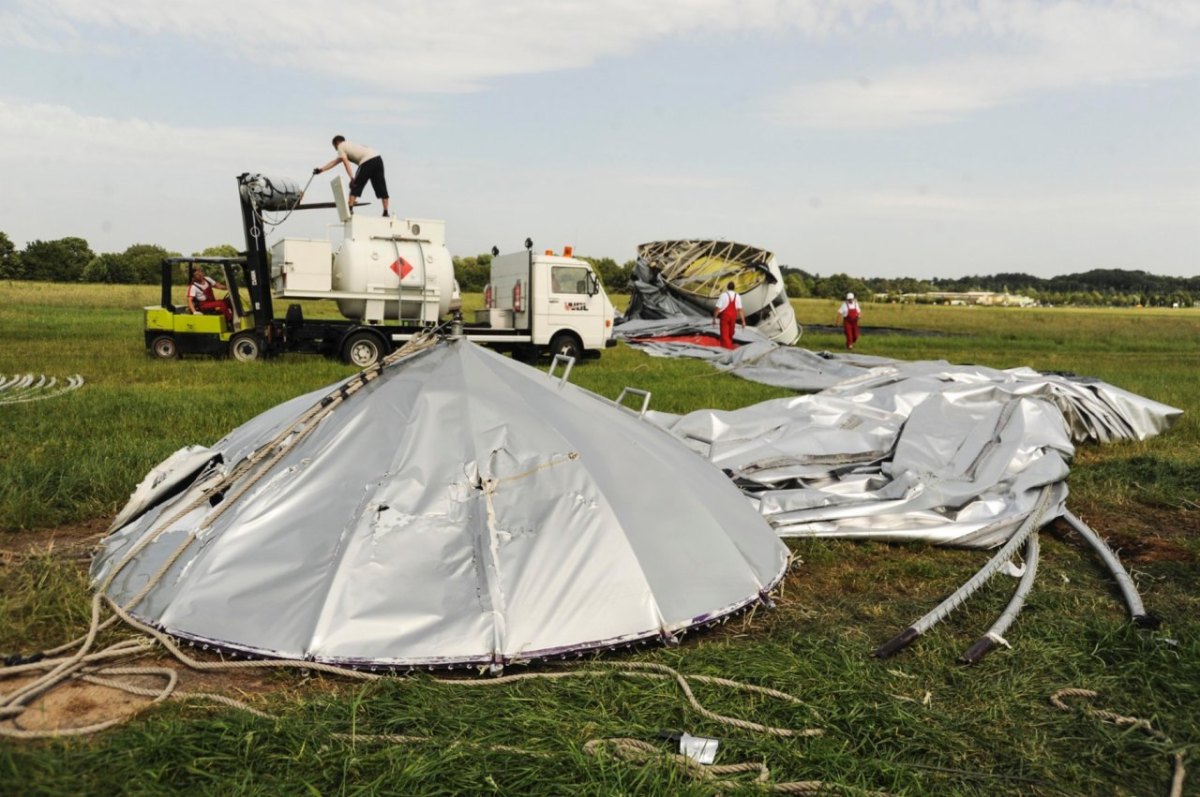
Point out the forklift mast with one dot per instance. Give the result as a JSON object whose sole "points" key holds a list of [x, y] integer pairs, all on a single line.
{"points": [[258, 264]]}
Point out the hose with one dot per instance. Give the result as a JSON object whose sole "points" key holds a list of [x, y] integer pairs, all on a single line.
{"points": [[1137, 612], [995, 634], [1032, 522]]}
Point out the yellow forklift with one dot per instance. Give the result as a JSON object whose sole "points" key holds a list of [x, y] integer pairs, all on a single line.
{"points": [[171, 329]]}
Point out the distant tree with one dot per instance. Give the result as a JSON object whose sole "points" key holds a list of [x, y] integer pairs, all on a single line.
{"points": [[62, 260], [10, 259], [145, 262], [472, 273], [909, 285], [614, 277], [108, 268], [838, 285], [795, 286], [220, 250]]}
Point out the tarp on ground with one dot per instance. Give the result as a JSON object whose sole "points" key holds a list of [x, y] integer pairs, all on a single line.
{"points": [[459, 508], [888, 449]]}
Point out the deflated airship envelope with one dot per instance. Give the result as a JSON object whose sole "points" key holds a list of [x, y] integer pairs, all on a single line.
{"points": [[453, 507]]}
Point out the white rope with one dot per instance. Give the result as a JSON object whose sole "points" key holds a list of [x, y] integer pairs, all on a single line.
{"points": [[22, 389], [1118, 719]]}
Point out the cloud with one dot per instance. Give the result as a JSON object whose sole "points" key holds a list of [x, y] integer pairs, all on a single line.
{"points": [[78, 138], [436, 45], [461, 45], [419, 46], [117, 181], [1036, 48]]}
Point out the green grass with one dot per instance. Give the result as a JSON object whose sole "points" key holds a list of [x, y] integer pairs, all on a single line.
{"points": [[917, 724]]}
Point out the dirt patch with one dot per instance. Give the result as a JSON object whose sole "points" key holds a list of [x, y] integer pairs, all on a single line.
{"points": [[1142, 535], [78, 704], [74, 541]]}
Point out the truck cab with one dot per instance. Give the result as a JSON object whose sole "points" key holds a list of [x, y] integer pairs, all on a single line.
{"points": [[556, 300]]}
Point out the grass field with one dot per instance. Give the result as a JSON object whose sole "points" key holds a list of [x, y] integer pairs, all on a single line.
{"points": [[917, 724]]}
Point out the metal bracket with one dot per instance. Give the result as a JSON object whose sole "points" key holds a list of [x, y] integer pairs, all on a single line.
{"points": [[708, 441], [568, 361], [633, 391]]}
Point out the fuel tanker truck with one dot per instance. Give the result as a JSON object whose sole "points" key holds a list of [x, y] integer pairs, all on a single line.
{"points": [[389, 279]]}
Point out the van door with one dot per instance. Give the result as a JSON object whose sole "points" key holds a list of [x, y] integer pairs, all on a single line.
{"points": [[569, 304]]}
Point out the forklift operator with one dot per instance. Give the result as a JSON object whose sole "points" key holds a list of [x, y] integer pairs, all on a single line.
{"points": [[200, 296]]}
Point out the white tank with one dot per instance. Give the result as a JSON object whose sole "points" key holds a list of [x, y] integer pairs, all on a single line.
{"points": [[392, 258]]}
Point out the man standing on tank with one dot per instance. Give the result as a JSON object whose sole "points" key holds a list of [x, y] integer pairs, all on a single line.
{"points": [[370, 168]]}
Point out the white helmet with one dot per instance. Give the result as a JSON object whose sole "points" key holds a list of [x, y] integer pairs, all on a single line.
{"points": [[849, 297]]}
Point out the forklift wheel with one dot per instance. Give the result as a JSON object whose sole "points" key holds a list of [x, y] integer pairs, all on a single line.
{"points": [[245, 347], [164, 348]]}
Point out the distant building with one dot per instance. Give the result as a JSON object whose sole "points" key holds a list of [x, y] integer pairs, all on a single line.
{"points": [[960, 298]]}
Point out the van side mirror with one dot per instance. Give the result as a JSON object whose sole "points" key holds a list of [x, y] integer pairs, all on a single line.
{"points": [[593, 284]]}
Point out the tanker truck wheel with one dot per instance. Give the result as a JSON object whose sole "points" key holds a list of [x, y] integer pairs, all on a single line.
{"points": [[363, 349], [566, 344], [245, 347]]}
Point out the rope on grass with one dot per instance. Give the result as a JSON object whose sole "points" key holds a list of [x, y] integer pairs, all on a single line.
{"points": [[21, 388], [1119, 719], [637, 751]]}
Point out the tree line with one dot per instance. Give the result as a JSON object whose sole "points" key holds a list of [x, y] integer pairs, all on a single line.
{"points": [[72, 260], [1098, 287]]}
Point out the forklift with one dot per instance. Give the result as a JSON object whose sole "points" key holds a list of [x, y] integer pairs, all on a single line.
{"points": [[254, 333], [172, 330]]}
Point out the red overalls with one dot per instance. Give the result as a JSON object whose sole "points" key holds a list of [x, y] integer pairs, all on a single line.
{"points": [[850, 325], [210, 301], [728, 318]]}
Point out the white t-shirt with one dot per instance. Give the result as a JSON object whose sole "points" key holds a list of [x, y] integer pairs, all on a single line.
{"points": [[356, 153], [200, 293], [723, 302], [844, 310]]}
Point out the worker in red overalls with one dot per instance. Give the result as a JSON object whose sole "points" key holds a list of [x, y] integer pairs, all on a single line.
{"points": [[200, 296], [729, 310], [848, 315]]}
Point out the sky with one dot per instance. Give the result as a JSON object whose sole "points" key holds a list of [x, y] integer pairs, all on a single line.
{"points": [[876, 138]]}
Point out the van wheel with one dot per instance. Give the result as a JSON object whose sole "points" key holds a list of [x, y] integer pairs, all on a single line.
{"points": [[164, 347], [362, 349], [566, 344], [245, 347]]}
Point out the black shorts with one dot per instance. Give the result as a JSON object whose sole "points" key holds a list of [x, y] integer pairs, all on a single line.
{"points": [[372, 170]]}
